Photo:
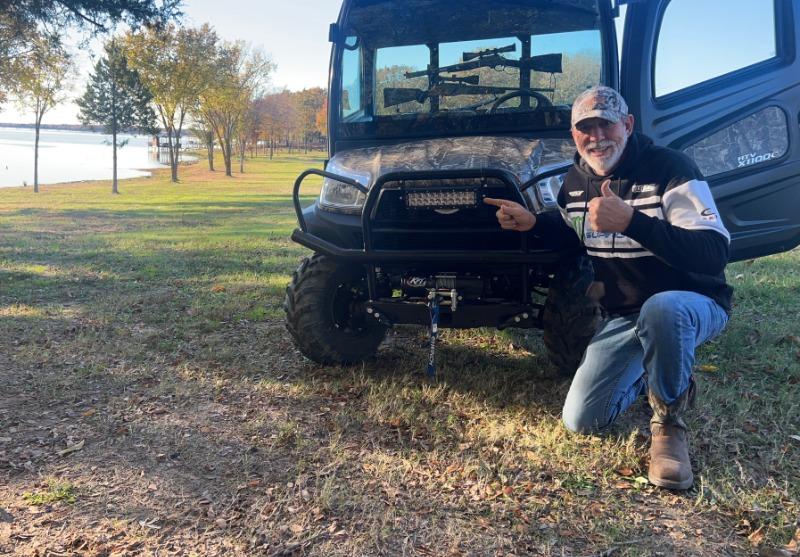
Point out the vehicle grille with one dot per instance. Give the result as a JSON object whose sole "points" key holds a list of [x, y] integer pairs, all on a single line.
{"points": [[445, 214]]}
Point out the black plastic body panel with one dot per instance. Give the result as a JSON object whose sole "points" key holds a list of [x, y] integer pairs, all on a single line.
{"points": [[759, 204]]}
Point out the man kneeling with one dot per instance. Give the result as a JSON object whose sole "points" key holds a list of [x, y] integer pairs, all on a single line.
{"points": [[651, 228]]}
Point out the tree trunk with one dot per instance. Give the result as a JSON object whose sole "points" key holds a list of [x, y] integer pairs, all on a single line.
{"points": [[228, 155], [173, 163], [114, 188], [36, 161], [208, 137]]}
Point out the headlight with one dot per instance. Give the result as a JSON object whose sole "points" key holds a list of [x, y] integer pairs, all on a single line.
{"points": [[547, 191], [338, 196]]}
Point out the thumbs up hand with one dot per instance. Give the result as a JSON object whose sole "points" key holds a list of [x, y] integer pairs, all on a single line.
{"points": [[609, 213]]}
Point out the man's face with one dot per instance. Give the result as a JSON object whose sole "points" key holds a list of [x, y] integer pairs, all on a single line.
{"points": [[601, 143]]}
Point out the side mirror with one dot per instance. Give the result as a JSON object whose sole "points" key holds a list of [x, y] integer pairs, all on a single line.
{"points": [[334, 34]]}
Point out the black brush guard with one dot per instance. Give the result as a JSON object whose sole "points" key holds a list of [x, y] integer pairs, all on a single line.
{"points": [[519, 312]]}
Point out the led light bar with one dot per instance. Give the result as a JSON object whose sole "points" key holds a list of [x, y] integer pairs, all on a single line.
{"points": [[441, 199]]}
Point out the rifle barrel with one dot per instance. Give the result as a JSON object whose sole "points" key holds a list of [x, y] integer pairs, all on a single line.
{"points": [[466, 56], [549, 63]]}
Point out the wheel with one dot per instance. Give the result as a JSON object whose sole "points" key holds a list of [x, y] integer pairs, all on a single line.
{"points": [[541, 100], [570, 316], [326, 315]]}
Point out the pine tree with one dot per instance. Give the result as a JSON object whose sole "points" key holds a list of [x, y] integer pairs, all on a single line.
{"points": [[116, 99]]}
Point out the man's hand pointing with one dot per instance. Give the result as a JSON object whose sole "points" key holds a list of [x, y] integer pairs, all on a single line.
{"points": [[511, 215], [609, 213]]}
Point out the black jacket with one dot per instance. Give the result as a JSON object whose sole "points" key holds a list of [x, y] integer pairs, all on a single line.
{"points": [[675, 241]]}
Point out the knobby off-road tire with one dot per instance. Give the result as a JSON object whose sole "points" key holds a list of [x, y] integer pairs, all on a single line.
{"points": [[570, 316], [326, 315]]}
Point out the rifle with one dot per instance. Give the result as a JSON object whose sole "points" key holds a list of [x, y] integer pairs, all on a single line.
{"points": [[549, 63], [392, 96], [469, 79], [467, 56]]}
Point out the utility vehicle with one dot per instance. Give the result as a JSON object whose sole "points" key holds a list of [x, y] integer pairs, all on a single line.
{"points": [[435, 105]]}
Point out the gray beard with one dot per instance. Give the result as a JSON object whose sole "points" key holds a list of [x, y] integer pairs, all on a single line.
{"points": [[609, 165]]}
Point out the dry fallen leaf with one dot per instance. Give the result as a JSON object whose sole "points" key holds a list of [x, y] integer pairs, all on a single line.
{"points": [[391, 492], [296, 528], [217, 288], [455, 467], [750, 427], [72, 448], [150, 523], [794, 545], [625, 472], [757, 536], [707, 368], [789, 339], [90, 412]]}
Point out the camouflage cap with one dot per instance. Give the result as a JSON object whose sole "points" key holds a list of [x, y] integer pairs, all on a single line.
{"points": [[599, 102]]}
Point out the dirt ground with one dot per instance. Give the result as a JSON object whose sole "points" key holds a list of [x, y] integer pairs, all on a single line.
{"points": [[287, 459]]}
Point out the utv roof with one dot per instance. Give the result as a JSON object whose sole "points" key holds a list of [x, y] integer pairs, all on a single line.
{"points": [[397, 22]]}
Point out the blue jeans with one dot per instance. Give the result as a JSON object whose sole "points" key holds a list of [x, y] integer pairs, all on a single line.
{"points": [[628, 354]]}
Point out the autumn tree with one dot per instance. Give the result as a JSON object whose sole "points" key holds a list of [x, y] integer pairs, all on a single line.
{"points": [[278, 118], [16, 40], [308, 103], [116, 99], [322, 118], [249, 130], [238, 75], [39, 86], [174, 64], [205, 133], [581, 71]]}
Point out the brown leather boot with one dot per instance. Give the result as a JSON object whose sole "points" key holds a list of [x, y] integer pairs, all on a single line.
{"points": [[669, 452]]}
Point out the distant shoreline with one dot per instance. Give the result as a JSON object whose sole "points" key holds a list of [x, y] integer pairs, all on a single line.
{"points": [[73, 183], [65, 127]]}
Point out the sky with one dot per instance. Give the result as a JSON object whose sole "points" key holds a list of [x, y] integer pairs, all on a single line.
{"points": [[294, 34]]}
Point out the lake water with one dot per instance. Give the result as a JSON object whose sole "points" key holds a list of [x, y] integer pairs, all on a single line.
{"points": [[67, 156]]}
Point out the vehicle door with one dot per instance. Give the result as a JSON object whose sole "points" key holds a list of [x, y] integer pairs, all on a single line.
{"points": [[720, 81]]}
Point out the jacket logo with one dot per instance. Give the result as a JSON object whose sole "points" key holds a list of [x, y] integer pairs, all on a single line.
{"points": [[708, 214], [577, 224], [643, 189], [576, 193]]}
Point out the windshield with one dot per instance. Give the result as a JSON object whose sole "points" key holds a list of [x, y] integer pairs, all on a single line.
{"points": [[511, 61]]}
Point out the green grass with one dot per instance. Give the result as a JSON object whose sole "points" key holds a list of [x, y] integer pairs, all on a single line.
{"points": [[56, 491], [150, 324]]}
